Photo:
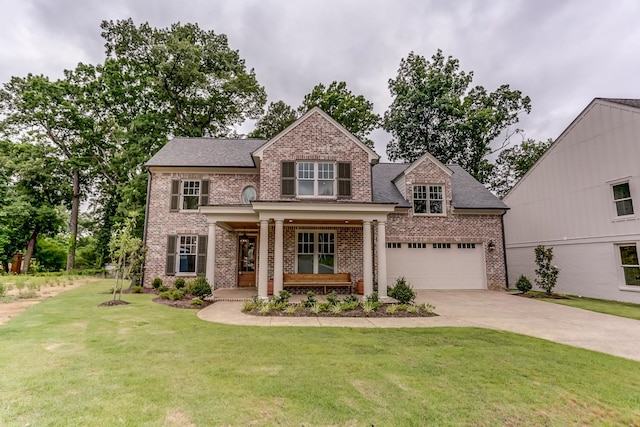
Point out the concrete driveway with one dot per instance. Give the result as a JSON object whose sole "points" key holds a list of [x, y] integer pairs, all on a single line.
{"points": [[568, 325], [484, 309]]}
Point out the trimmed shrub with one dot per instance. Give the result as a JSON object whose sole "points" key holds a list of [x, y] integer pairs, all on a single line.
{"points": [[282, 297], [173, 295], [157, 282], [402, 291], [373, 297], [333, 298], [199, 287], [136, 289], [163, 288], [546, 273], [179, 283], [523, 284], [197, 301]]}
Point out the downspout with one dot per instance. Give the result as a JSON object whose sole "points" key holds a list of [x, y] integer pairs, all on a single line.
{"points": [[504, 251], [146, 221]]}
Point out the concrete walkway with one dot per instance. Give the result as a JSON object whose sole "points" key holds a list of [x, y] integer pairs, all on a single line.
{"points": [[484, 309]]}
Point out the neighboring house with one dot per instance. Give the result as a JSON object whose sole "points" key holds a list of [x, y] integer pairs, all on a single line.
{"points": [[315, 200], [582, 198]]}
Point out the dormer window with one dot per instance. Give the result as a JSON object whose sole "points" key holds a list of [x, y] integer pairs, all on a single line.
{"points": [[428, 199]]}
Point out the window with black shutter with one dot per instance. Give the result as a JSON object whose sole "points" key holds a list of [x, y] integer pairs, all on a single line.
{"points": [[344, 179], [288, 179]]}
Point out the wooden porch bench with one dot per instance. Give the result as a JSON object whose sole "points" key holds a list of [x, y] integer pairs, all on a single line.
{"points": [[299, 280]]}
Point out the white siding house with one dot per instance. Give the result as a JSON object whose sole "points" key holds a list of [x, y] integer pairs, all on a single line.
{"points": [[582, 198]]}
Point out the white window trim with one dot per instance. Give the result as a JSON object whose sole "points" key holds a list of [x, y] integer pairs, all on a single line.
{"points": [[615, 208], [623, 285], [444, 199], [315, 194], [182, 195], [315, 249], [177, 268]]}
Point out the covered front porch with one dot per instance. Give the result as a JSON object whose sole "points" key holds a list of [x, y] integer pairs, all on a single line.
{"points": [[309, 238]]}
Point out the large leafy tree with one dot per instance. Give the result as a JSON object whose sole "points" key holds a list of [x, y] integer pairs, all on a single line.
{"points": [[514, 162], [435, 110], [278, 116], [354, 112]]}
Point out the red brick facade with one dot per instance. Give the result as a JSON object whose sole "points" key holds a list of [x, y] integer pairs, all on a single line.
{"points": [[313, 138]]}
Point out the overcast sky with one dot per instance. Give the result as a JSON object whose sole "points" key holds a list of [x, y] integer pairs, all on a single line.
{"points": [[562, 54]]}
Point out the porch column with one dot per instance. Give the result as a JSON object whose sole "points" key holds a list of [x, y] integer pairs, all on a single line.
{"points": [[278, 255], [263, 260], [211, 256], [382, 259], [367, 265]]}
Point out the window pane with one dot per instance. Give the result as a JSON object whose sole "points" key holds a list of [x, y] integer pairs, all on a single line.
{"points": [[187, 264], [435, 207], [305, 263], [305, 170], [305, 188], [632, 276], [325, 264], [419, 192], [435, 192], [420, 206], [190, 202], [624, 207], [325, 188], [629, 255], [325, 170], [305, 243], [621, 191]]}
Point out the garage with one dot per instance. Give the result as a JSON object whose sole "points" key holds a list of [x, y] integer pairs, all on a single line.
{"points": [[437, 265]]}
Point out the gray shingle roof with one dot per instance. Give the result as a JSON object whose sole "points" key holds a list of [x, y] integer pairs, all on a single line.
{"points": [[199, 152], [384, 190], [629, 102], [468, 193]]}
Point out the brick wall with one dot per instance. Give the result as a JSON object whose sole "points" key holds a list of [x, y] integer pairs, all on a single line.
{"points": [[161, 222], [315, 139]]}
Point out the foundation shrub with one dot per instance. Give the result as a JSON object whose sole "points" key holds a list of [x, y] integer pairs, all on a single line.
{"points": [[402, 291]]}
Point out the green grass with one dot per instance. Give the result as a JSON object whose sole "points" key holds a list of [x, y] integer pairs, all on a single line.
{"points": [[68, 362], [617, 308]]}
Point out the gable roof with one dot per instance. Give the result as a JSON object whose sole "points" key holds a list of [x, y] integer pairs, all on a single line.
{"points": [[468, 193], [206, 152], [629, 102], [428, 156], [623, 101], [373, 156]]}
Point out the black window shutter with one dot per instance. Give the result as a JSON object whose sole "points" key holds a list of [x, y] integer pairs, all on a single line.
{"points": [[344, 179], [201, 263], [204, 192], [170, 267], [175, 194], [288, 179]]}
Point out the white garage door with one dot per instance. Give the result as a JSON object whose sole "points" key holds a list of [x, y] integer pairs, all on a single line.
{"points": [[437, 266]]}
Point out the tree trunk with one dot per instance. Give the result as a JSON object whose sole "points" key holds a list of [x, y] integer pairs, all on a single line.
{"points": [[73, 222], [31, 245]]}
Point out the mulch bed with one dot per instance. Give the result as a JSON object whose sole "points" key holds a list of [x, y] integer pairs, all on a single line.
{"points": [[113, 302], [358, 312], [541, 296], [182, 303]]}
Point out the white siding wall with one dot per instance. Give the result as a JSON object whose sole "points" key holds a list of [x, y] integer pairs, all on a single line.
{"points": [[566, 200]]}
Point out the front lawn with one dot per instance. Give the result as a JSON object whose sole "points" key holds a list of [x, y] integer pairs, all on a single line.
{"points": [[617, 308], [68, 362]]}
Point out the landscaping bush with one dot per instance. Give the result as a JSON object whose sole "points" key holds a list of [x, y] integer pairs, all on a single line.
{"points": [[373, 297], [523, 284], [136, 289], [333, 298], [350, 299], [546, 273], [173, 295], [163, 288], [311, 299], [199, 287], [197, 301], [157, 282], [282, 297], [402, 291], [179, 283]]}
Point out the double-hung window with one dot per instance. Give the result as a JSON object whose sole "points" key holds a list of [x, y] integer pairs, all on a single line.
{"points": [[316, 252], [187, 254], [622, 199], [428, 199], [189, 194], [630, 265], [316, 179]]}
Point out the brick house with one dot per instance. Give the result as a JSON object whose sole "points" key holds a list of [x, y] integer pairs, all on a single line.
{"points": [[314, 201]]}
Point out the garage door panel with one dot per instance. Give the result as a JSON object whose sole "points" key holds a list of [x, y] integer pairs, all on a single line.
{"points": [[437, 268]]}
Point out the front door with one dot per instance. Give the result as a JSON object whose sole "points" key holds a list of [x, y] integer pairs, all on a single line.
{"points": [[246, 261]]}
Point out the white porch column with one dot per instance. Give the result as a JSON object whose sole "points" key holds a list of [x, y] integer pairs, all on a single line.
{"points": [[278, 255], [210, 271], [263, 260], [382, 259], [367, 265]]}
